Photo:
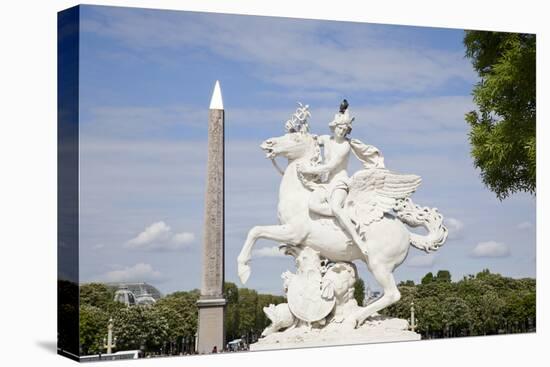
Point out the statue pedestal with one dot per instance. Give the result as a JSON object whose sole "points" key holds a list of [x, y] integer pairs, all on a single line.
{"points": [[211, 332], [377, 329]]}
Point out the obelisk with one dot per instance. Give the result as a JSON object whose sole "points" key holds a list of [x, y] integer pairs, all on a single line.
{"points": [[211, 303]]}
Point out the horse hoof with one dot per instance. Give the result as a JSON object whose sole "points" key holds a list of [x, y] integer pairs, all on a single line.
{"points": [[244, 272]]}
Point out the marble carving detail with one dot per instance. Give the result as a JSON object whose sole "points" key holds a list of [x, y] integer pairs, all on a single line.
{"points": [[329, 220]]}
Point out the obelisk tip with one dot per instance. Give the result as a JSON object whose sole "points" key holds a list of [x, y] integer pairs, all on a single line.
{"points": [[216, 103]]}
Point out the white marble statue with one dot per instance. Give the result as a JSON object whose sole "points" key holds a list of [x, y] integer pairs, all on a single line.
{"points": [[341, 219]]}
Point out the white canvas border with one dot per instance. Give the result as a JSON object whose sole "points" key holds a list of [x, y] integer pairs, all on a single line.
{"points": [[28, 189]]}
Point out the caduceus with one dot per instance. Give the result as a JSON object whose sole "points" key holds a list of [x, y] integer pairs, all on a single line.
{"points": [[298, 121]]}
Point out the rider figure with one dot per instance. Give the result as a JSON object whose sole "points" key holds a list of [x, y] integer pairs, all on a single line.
{"points": [[328, 199]]}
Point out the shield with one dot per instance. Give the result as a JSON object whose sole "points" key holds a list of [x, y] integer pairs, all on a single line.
{"points": [[305, 300]]}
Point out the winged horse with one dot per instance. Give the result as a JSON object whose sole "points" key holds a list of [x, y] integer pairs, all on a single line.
{"points": [[378, 203]]}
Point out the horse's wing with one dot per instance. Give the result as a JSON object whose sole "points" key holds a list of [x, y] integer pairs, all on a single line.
{"points": [[374, 192]]}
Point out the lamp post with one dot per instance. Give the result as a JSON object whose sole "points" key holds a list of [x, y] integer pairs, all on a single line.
{"points": [[109, 343]]}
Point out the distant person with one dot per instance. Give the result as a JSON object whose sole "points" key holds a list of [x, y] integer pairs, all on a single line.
{"points": [[215, 349]]}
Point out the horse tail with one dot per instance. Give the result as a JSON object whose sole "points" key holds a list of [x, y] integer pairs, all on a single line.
{"points": [[429, 218]]}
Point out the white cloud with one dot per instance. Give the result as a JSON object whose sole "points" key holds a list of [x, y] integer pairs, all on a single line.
{"points": [[525, 225], [159, 236], [158, 231], [183, 238], [455, 228], [421, 261], [138, 273], [490, 249], [354, 57], [268, 252]]}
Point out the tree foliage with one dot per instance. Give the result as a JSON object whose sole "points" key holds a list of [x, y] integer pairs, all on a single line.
{"points": [[180, 310], [172, 320], [248, 310], [359, 291], [244, 315], [231, 311], [99, 295], [93, 328], [483, 304], [141, 328], [503, 130], [443, 276], [407, 283], [428, 278]]}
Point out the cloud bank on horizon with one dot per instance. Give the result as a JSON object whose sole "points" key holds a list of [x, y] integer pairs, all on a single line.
{"points": [[146, 81]]}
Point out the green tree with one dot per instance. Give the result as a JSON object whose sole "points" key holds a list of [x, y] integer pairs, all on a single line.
{"points": [[93, 328], [231, 311], [359, 291], [503, 131], [261, 319], [181, 312], [95, 294], [99, 295], [443, 276], [430, 316], [428, 278], [402, 309], [248, 309], [137, 327], [406, 283], [457, 316], [484, 304]]}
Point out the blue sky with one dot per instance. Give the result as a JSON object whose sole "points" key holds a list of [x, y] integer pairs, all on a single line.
{"points": [[146, 81]]}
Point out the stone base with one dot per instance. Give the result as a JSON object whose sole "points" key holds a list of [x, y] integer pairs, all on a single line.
{"points": [[210, 325], [378, 329]]}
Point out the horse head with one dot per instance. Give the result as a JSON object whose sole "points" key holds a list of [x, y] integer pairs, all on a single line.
{"points": [[292, 145]]}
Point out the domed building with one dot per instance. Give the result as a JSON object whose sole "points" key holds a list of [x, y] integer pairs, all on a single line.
{"points": [[145, 299], [132, 294], [124, 295], [137, 288]]}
